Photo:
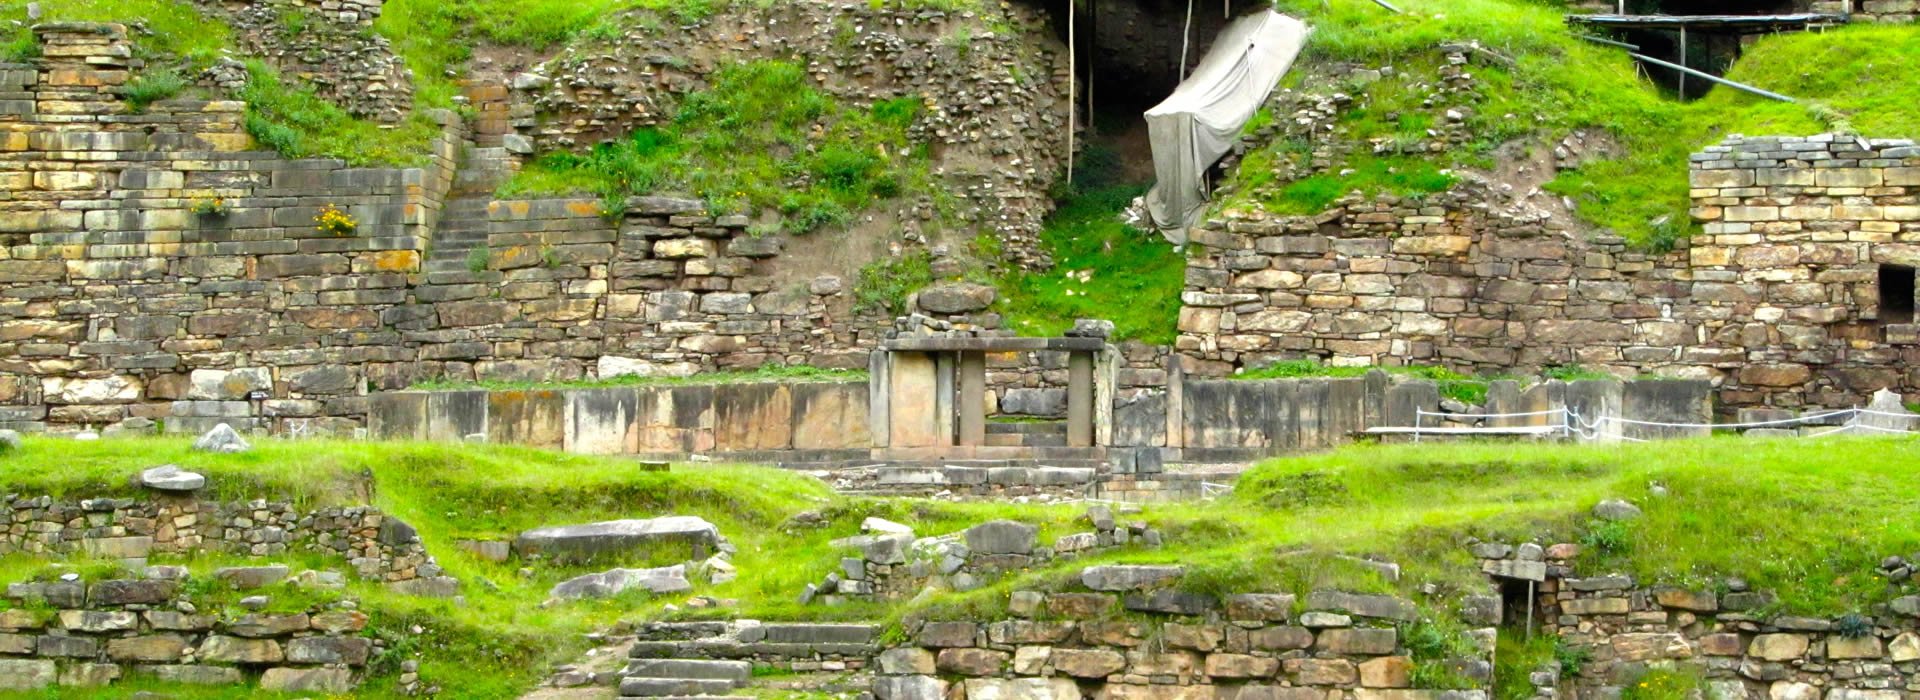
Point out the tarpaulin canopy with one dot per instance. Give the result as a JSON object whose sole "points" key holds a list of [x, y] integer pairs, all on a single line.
{"points": [[1199, 122]]}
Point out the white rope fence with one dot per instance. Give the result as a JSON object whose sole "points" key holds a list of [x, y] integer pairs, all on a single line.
{"points": [[1606, 427]]}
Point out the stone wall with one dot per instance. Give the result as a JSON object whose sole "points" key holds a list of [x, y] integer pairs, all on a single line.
{"points": [[993, 82], [326, 44], [771, 421], [893, 564], [375, 546], [1730, 635], [1774, 304], [1870, 10], [94, 633], [119, 302], [1172, 646]]}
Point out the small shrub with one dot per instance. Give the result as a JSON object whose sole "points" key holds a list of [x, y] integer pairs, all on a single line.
{"points": [[1570, 658], [275, 136], [1853, 626], [20, 48], [1438, 675], [1571, 373], [1608, 536], [885, 284], [332, 221], [152, 87], [1663, 684], [211, 207], [477, 260]]}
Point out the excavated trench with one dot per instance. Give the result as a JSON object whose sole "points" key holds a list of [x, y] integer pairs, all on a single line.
{"points": [[1129, 58]]}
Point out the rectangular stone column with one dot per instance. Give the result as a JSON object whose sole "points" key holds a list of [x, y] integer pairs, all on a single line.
{"points": [[973, 398], [913, 405], [1080, 399]]}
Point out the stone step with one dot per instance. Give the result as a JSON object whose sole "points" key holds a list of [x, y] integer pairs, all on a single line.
{"points": [[668, 687], [704, 669], [692, 697], [464, 276], [1054, 427], [438, 266]]}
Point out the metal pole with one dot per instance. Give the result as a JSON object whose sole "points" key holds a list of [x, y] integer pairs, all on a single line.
{"points": [[1073, 79], [1530, 604], [1714, 78], [1385, 4], [1608, 42]]}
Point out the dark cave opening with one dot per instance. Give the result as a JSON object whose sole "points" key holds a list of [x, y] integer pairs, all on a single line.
{"points": [[1705, 35], [1129, 58]]}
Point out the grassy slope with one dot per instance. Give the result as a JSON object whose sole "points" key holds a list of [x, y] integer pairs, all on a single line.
{"points": [[1853, 77], [1807, 518]]}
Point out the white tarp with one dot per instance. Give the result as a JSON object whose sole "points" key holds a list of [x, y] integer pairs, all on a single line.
{"points": [[1200, 121]]}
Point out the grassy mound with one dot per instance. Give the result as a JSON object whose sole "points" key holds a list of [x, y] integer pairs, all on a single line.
{"points": [[1808, 519], [762, 138], [1546, 82]]}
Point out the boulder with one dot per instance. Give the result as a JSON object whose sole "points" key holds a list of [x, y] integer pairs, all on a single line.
{"points": [[26, 674], [575, 543], [902, 687], [222, 439], [606, 584], [1022, 689], [168, 477], [247, 578], [307, 680], [1128, 577], [1615, 509], [1888, 411], [955, 298], [1002, 537], [884, 526], [9, 440]]}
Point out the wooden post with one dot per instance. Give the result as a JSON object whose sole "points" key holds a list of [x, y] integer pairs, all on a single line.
{"points": [[1683, 61], [1073, 79]]}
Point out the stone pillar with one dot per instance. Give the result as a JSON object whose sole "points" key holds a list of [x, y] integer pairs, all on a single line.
{"points": [[973, 398], [913, 410], [1080, 399]]}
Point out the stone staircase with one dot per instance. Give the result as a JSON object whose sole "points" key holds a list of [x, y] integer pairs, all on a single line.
{"points": [[463, 221], [463, 230], [684, 678], [714, 660], [1027, 434]]}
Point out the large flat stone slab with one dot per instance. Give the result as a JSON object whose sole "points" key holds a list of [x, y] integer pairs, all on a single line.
{"points": [[593, 540], [606, 584]]}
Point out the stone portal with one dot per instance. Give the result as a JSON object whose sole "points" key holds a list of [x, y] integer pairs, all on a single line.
{"points": [[928, 395]]}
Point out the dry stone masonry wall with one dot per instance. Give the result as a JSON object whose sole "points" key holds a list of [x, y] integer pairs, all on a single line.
{"points": [[1731, 636], [1170, 646], [1777, 304], [374, 545], [77, 633], [326, 44], [992, 81]]}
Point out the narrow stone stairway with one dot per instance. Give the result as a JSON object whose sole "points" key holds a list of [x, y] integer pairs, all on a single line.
{"points": [[685, 678], [463, 230], [463, 222]]}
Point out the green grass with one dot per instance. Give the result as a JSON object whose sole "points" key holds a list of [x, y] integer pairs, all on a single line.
{"points": [[762, 138], [291, 119], [884, 285], [770, 373], [152, 87], [1131, 277], [1808, 519], [1453, 385], [172, 30], [1102, 268], [1852, 77]]}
